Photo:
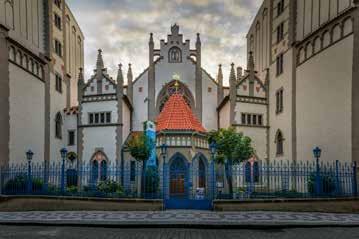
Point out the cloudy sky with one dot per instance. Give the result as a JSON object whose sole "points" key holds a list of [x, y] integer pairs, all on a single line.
{"points": [[121, 29]]}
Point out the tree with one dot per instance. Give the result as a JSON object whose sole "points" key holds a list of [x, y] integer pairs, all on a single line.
{"points": [[139, 147], [232, 148]]}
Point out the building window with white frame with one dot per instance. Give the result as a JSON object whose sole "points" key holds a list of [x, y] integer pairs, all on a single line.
{"points": [[279, 101], [279, 143], [280, 32], [58, 125], [58, 82], [252, 119], [280, 7], [58, 48], [71, 137], [99, 118], [279, 64], [57, 20]]}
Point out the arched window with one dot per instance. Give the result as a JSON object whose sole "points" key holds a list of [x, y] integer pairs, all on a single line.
{"points": [[201, 173], [170, 89], [279, 142], [58, 125], [174, 55], [99, 167]]}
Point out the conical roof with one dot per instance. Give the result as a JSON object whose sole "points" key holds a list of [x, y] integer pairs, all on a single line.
{"points": [[177, 115]]}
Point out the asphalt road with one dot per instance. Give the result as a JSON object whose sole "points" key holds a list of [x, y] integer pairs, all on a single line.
{"points": [[40, 232]]}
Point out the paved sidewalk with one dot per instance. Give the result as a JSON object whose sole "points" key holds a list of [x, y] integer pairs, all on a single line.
{"points": [[181, 218]]}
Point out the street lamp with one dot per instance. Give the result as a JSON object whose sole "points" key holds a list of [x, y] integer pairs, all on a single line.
{"points": [[164, 149], [63, 153], [29, 155], [213, 148], [317, 153]]}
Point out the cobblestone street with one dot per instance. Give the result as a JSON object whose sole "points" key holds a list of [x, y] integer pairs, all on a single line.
{"points": [[179, 217]]}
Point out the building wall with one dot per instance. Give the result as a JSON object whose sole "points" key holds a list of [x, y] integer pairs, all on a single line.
{"points": [[70, 124], [27, 115], [126, 120], [25, 19], [326, 100], [74, 51], [140, 94], [281, 121], [223, 116], [312, 14], [256, 133], [209, 94], [258, 39], [99, 137]]}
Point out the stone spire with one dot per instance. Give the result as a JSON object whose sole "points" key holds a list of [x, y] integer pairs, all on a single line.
{"points": [[239, 73], [129, 83], [250, 65], [99, 62], [232, 93], [220, 84], [119, 75]]}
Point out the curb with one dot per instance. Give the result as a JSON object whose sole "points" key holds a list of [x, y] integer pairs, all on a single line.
{"points": [[193, 225]]}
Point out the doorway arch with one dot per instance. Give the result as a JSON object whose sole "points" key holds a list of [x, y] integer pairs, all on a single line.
{"points": [[178, 176]]}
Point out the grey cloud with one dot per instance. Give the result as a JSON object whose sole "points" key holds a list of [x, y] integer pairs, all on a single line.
{"points": [[121, 28]]}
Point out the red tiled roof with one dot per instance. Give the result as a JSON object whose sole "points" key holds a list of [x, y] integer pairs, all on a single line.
{"points": [[177, 115]]}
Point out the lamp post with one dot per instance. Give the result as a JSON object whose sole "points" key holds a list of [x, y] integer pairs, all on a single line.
{"points": [[63, 153], [213, 150], [164, 154], [29, 155], [317, 153]]}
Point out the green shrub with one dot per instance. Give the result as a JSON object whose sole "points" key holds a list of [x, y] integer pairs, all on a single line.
{"points": [[71, 189], [327, 183], [110, 187], [20, 182]]}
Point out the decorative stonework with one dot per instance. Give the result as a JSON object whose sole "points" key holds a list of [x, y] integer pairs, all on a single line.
{"points": [[338, 29]]}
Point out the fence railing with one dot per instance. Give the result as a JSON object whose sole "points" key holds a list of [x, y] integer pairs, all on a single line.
{"points": [[277, 179]]}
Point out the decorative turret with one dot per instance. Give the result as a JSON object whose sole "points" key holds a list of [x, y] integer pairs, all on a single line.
{"points": [[239, 73], [119, 130], [129, 83], [250, 66], [232, 93], [119, 77], [220, 84], [99, 61]]}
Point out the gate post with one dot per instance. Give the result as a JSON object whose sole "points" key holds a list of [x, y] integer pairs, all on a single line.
{"points": [[337, 182], [213, 180], [355, 184], [1, 169], [29, 177], [317, 178]]}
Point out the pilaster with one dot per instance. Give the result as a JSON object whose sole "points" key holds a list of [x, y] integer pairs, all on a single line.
{"points": [[198, 79], [151, 82], [4, 97], [80, 142], [119, 92], [232, 94], [220, 85], [355, 87]]}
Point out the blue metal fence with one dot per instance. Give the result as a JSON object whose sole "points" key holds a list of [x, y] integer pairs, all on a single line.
{"points": [[277, 179]]}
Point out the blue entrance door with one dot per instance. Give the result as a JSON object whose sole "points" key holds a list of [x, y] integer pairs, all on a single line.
{"points": [[179, 187]]}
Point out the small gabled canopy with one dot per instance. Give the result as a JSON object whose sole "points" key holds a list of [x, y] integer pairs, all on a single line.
{"points": [[178, 116]]}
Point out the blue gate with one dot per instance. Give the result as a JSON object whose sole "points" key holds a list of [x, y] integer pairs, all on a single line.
{"points": [[179, 191]]}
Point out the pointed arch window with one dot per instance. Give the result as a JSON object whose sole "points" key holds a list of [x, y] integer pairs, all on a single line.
{"points": [[99, 167], [174, 55], [58, 125], [279, 143], [201, 173]]}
